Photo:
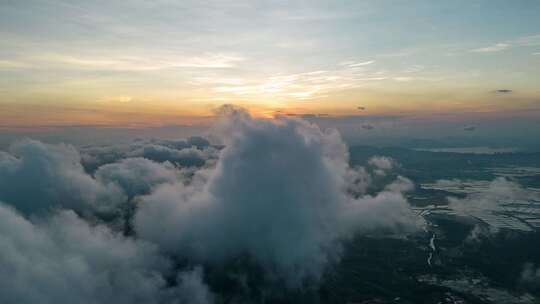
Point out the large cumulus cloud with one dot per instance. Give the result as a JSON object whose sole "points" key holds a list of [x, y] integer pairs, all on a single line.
{"points": [[63, 259], [280, 192]]}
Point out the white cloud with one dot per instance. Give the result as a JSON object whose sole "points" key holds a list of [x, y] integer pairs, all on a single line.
{"points": [[279, 193], [530, 274], [112, 62], [193, 151], [192, 289], [38, 176], [354, 64], [186, 157], [499, 191], [382, 162], [400, 185], [524, 41], [62, 259], [493, 48], [35, 177], [531, 40], [137, 176]]}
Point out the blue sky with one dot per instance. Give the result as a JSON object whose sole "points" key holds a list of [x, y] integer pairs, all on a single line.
{"points": [[136, 62]]}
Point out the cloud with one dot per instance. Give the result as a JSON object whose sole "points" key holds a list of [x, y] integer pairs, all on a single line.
{"points": [[493, 48], [192, 141], [354, 64], [137, 176], [531, 40], [332, 120], [135, 62], [524, 41], [280, 192], [382, 165], [63, 259], [480, 233], [191, 288], [448, 183], [116, 99], [193, 151], [530, 274], [199, 142], [382, 162], [500, 190], [491, 203], [35, 177], [59, 257], [368, 127], [93, 157], [183, 157], [400, 185]]}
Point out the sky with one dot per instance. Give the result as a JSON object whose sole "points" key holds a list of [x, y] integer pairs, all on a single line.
{"points": [[157, 63]]}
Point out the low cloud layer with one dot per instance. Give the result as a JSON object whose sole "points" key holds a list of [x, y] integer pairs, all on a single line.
{"points": [[137, 176], [192, 152], [144, 222], [63, 259], [35, 176]]}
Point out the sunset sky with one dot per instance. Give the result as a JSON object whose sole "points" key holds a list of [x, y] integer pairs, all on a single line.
{"points": [[148, 63]]}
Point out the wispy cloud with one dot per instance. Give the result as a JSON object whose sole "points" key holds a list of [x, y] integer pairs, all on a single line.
{"points": [[125, 63], [299, 86], [307, 85], [12, 64], [532, 40], [492, 48], [116, 99], [524, 41], [354, 64]]}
